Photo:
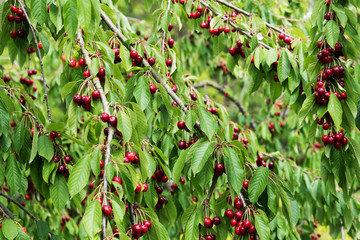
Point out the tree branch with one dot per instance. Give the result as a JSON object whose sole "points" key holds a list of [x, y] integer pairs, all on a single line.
{"points": [[247, 34], [222, 90], [40, 59], [292, 165], [239, 10], [110, 136], [19, 205], [154, 73]]}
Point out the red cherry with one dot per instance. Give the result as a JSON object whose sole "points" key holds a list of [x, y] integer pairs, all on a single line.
{"points": [[151, 61], [238, 214], [107, 210], [72, 63], [117, 179], [145, 187], [182, 144], [181, 125], [96, 94], [219, 169], [168, 62], [11, 17], [281, 36], [101, 72], [133, 54], [56, 159], [147, 223], [246, 184], [229, 213], [237, 204], [138, 187], [130, 156], [137, 229], [252, 229], [247, 224], [53, 134], [207, 222], [113, 121], [13, 9], [344, 141], [233, 222], [67, 159], [227, 29], [152, 88], [104, 117]]}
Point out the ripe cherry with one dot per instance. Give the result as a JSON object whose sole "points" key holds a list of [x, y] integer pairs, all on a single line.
{"points": [[144, 229], [168, 62], [182, 144], [137, 229], [151, 61], [96, 94], [229, 213], [101, 72], [207, 222], [238, 214], [113, 121], [326, 126], [133, 54], [219, 169], [181, 125], [67, 159], [53, 134], [245, 185], [131, 156], [233, 222], [72, 63], [247, 224], [138, 187], [152, 88], [147, 223], [281, 36], [252, 229], [145, 187], [13, 9], [104, 117], [107, 210], [227, 29], [216, 220], [56, 159]]}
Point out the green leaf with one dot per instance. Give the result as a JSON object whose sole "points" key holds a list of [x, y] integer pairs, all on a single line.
{"points": [[332, 32], [9, 229], [34, 149], [192, 227], [39, 11], [4, 118], [234, 169], [124, 125], [306, 107], [59, 126], [258, 183], [107, 50], [70, 18], [92, 218], [42, 229], [283, 67], [45, 147], [142, 93], [357, 119], [72, 117], [125, 57], [207, 122], [262, 225], [258, 57], [84, 13], [19, 137], [141, 121], [200, 153], [335, 110], [179, 165], [13, 174], [67, 89], [95, 161], [59, 192], [79, 176], [271, 56], [165, 20], [128, 184]]}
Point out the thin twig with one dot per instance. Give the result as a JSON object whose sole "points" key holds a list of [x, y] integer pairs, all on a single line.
{"points": [[291, 164], [247, 34], [40, 59], [222, 90], [19, 205], [105, 104], [6, 212], [239, 10]]}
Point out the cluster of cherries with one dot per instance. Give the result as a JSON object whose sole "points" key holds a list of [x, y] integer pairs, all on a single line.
{"points": [[138, 230], [327, 53], [238, 49], [20, 16], [32, 49], [29, 190], [337, 139], [271, 127], [85, 101], [159, 176], [64, 220], [260, 162], [286, 39], [6, 78], [170, 42], [212, 110], [138, 59], [116, 48], [184, 145], [193, 96], [131, 158]]}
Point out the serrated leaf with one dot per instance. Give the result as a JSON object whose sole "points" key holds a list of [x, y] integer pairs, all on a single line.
{"points": [[192, 227], [84, 13], [45, 147], [258, 183], [79, 176], [271, 56], [142, 93], [332, 32], [141, 121], [70, 18], [179, 165], [335, 110], [38, 11], [34, 149], [67, 89], [306, 107], [59, 192], [13, 173], [165, 20], [124, 125], [234, 169], [19, 137], [200, 153], [207, 122], [95, 161], [9, 229], [72, 115], [125, 57], [92, 218], [42, 229], [262, 225], [283, 66]]}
